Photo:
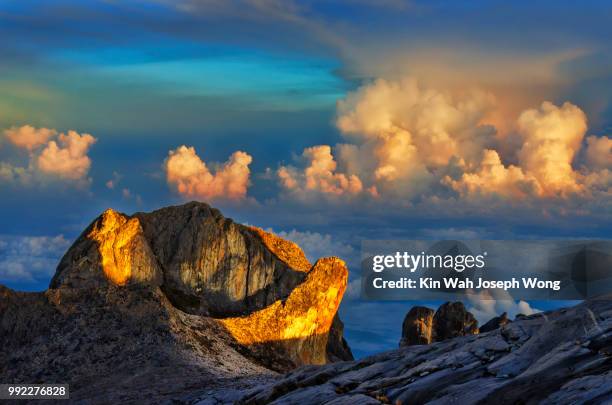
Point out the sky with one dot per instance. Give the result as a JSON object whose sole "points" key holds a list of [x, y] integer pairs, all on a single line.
{"points": [[327, 122]]}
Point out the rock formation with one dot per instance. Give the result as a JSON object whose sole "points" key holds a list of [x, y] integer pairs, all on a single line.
{"points": [[495, 323], [205, 263], [421, 326], [417, 326], [452, 320], [179, 293], [557, 357]]}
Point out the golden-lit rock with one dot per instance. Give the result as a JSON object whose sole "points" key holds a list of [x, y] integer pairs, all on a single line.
{"points": [[112, 249], [297, 327], [289, 252]]}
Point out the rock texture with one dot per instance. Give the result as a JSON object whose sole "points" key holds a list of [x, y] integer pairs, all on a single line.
{"points": [[417, 326], [452, 320], [495, 323], [160, 303], [558, 357]]}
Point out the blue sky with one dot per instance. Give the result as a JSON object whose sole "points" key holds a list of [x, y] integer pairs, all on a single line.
{"points": [[272, 79]]}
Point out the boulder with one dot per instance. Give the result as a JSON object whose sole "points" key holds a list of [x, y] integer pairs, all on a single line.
{"points": [[417, 326], [452, 320]]}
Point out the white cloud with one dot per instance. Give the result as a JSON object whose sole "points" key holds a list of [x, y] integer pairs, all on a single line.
{"points": [[485, 307], [316, 245], [30, 258], [191, 178]]}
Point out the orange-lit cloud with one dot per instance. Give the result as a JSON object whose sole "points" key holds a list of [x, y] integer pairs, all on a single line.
{"points": [[51, 156], [67, 158], [319, 176], [599, 152], [408, 142], [552, 137], [28, 137], [191, 178]]}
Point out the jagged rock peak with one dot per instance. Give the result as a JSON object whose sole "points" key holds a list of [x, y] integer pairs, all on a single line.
{"points": [[204, 262]]}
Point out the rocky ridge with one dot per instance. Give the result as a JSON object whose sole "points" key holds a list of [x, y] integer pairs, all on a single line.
{"points": [[556, 357]]}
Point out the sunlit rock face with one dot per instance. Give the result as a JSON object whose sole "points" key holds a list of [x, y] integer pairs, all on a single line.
{"points": [[112, 249], [299, 325]]}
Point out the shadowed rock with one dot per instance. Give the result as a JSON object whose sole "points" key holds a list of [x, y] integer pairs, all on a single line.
{"points": [[417, 326], [337, 347], [452, 320], [495, 323]]}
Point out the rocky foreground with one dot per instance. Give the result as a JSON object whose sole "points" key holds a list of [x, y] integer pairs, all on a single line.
{"points": [[558, 357]]}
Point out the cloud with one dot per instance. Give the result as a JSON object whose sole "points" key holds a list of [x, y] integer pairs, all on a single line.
{"points": [[28, 137], [316, 245], [319, 176], [551, 138], [413, 146], [191, 178], [484, 306], [30, 259], [67, 158], [599, 152], [51, 156], [114, 181]]}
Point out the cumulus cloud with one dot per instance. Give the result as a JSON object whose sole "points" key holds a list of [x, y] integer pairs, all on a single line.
{"points": [[413, 145], [67, 158], [191, 178], [51, 156], [484, 306], [28, 137], [30, 258], [551, 138], [599, 152], [319, 176]]}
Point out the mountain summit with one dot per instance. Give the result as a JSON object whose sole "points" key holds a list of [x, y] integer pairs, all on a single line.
{"points": [[183, 287]]}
